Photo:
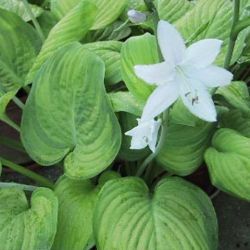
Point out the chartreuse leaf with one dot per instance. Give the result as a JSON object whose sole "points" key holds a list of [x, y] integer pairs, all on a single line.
{"points": [[172, 10], [177, 215], [126, 102], [109, 51], [237, 96], [138, 50], [71, 28], [19, 45], [128, 121], [108, 10], [77, 201], [18, 7], [5, 98], [228, 161], [186, 141], [24, 226], [199, 23], [68, 114]]}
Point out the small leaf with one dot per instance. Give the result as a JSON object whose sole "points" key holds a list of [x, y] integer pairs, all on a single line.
{"points": [[228, 161], [18, 7], [125, 102], [177, 215], [237, 96], [128, 121], [77, 200], [135, 51], [109, 52], [184, 146], [71, 28], [24, 227], [172, 10], [19, 45], [68, 114]]}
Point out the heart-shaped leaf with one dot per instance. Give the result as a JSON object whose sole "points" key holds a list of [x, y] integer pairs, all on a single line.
{"points": [[19, 8], [185, 144], [19, 45], [138, 50], [178, 215], [68, 114], [24, 226], [77, 201], [228, 162], [71, 28]]}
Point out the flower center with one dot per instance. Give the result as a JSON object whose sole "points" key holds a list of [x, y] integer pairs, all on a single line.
{"points": [[191, 94]]}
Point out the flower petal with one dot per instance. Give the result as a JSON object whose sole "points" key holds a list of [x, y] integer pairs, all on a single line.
{"points": [[197, 99], [202, 53], [171, 43], [211, 76], [161, 98], [155, 73]]}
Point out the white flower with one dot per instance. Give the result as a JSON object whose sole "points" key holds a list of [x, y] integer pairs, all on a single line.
{"points": [[136, 16], [145, 134], [185, 72]]}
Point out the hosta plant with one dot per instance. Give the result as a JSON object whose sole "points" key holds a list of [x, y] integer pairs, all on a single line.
{"points": [[126, 99]]}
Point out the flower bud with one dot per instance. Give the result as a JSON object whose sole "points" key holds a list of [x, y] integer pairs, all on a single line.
{"points": [[136, 17]]}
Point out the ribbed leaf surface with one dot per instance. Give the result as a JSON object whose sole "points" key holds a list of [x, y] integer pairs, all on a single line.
{"points": [[24, 227], [68, 114], [19, 45], [172, 10], [71, 28], [77, 200], [135, 51], [178, 215], [228, 162]]}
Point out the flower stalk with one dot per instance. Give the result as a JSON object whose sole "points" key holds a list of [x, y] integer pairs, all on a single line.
{"points": [[28, 173]]}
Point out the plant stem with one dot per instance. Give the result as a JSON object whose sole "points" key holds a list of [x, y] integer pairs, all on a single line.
{"points": [[12, 143], [18, 102], [233, 36], [160, 144], [17, 185], [33, 18], [11, 123], [26, 172]]}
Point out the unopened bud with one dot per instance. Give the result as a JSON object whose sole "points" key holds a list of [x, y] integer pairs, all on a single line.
{"points": [[136, 16]]}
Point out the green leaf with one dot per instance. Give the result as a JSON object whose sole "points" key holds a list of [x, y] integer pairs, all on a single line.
{"points": [[5, 98], [183, 149], [18, 8], [77, 200], [68, 114], [177, 215], [114, 31], [47, 21], [199, 23], [109, 52], [135, 51], [172, 10], [19, 45], [236, 120], [108, 10], [71, 28], [24, 226], [125, 102], [237, 96], [128, 121], [228, 161]]}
